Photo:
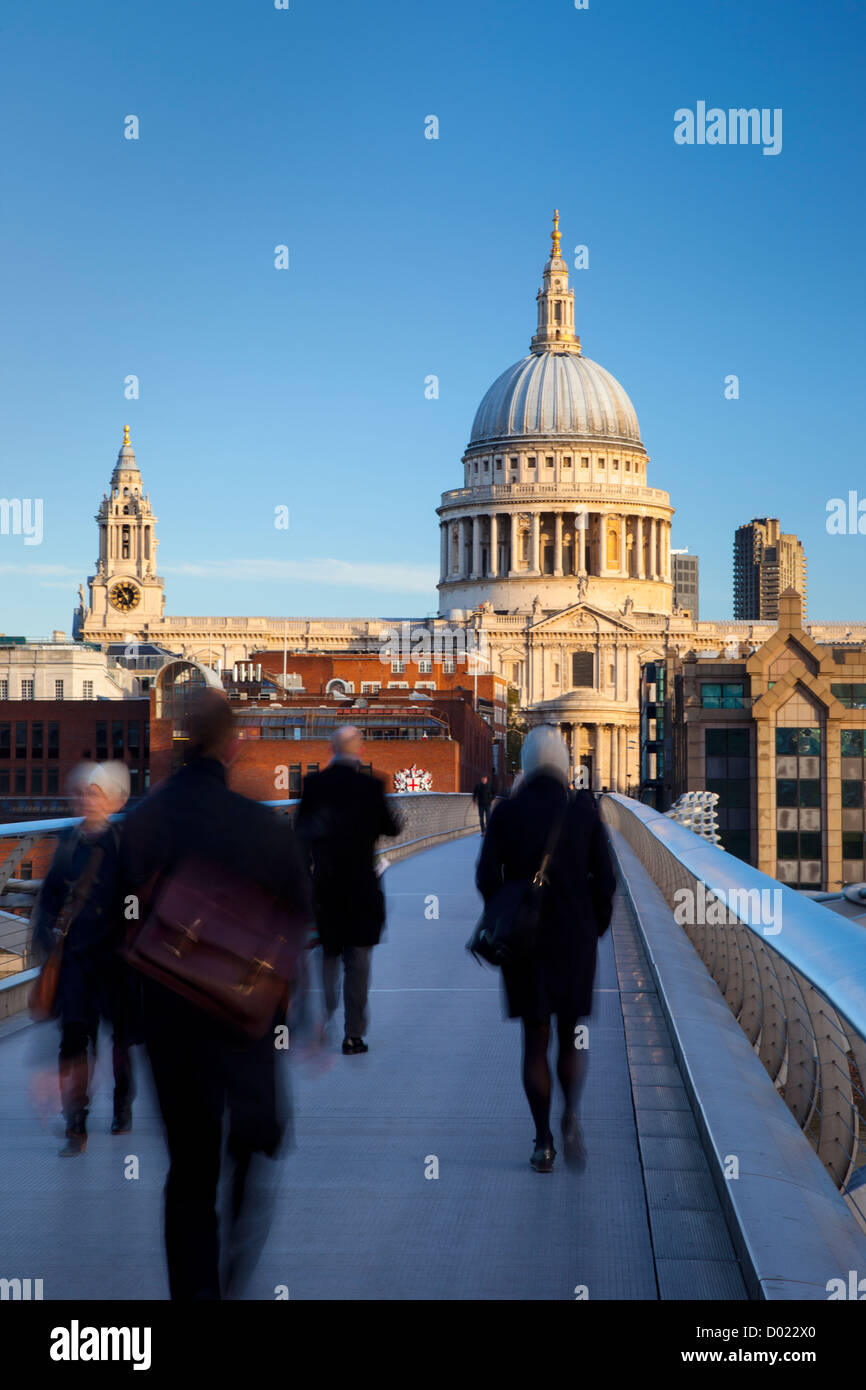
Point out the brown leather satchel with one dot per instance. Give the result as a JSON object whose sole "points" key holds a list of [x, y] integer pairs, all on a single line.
{"points": [[227, 946], [43, 996]]}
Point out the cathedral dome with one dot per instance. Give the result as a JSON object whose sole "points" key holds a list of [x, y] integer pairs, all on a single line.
{"points": [[556, 393]]}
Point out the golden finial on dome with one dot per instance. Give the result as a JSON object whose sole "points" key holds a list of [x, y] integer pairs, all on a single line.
{"points": [[125, 435], [555, 234]]}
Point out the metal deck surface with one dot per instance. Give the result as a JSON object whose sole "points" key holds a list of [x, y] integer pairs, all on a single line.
{"points": [[354, 1216]]}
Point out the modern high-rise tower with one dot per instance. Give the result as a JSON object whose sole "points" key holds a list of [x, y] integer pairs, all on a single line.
{"points": [[767, 561]]}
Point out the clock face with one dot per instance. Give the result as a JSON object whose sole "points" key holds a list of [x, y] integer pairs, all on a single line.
{"points": [[125, 595]]}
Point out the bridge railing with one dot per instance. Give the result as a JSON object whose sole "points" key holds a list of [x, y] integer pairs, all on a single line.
{"points": [[425, 818], [792, 973]]}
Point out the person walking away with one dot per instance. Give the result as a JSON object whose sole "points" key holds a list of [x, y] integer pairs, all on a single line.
{"points": [[483, 798], [556, 979], [208, 1073], [343, 812], [79, 898]]}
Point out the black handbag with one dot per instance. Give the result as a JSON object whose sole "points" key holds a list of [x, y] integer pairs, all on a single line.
{"points": [[507, 931]]}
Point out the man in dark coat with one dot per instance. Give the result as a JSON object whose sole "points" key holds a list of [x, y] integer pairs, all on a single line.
{"points": [[201, 1066], [483, 798], [342, 814], [576, 909]]}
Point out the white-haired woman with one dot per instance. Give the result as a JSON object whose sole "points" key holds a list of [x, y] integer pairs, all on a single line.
{"points": [[79, 897], [557, 979]]}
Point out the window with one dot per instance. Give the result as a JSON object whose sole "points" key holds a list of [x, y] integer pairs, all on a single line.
{"points": [[499, 463], [312, 767], [398, 685], [425, 685], [370, 687], [397, 668], [4, 690], [616, 463], [52, 781], [448, 666], [117, 738], [584, 463], [425, 665], [727, 772], [5, 740], [21, 740], [799, 821], [133, 746], [601, 463], [54, 740], [628, 465], [722, 696], [556, 673], [566, 463], [514, 463], [20, 781], [58, 690], [101, 740], [37, 749], [27, 690], [294, 780], [4, 781], [87, 690], [134, 780], [530, 463], [36, 781], [549, 462], [581, 668], [851, 696]]}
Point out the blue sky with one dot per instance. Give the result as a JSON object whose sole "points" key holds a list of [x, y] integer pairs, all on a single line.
{"points": [[408, 256]]}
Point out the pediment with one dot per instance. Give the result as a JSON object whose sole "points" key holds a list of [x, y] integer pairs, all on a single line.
{"points": [[583, 615]]}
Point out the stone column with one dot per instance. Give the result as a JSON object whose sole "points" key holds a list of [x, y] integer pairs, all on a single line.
{"points": [[623, 553], [653, 550], [535, 553], [494, 546], [638, 543], [601, 775], [575, 748], [580, 528], [443, 551], [514, 546], [557, 544], [476, 548], [614, 758]]}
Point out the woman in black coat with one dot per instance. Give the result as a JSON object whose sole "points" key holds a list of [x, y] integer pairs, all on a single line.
{"points": [[576, 910], [93, 983]]}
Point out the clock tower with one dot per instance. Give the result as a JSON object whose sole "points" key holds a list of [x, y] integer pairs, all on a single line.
{"points": [[126, 594]]}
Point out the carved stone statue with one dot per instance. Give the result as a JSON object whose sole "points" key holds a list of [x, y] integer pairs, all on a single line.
{"points": [[582, 586], [536, 607], [629, 604]]}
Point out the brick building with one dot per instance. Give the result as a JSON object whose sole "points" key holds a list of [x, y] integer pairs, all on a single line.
{"points": [[42, 740], [286, 732]]}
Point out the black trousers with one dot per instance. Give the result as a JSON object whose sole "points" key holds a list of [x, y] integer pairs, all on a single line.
{"points": [[203, 1074], [483, 816]]}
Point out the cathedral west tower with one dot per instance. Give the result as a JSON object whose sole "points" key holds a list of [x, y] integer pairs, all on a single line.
{"points": [[126, 594]]}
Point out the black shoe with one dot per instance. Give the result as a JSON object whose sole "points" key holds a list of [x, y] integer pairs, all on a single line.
{"points": [[122, 1122], [542, 1159], [351, 1046], [572, 1142], [76, 1137]]}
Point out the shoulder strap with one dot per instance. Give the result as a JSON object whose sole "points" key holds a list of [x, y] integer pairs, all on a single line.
{"points": [[78, 893], [552, 841]]}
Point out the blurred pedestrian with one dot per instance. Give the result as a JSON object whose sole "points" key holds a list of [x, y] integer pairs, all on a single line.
{"points": [[556, 978], [202, 861], [482, 795], [78, 911], [342, 814]]}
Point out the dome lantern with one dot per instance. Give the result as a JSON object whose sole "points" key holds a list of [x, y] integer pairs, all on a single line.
{"points": [[555, 332]]}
